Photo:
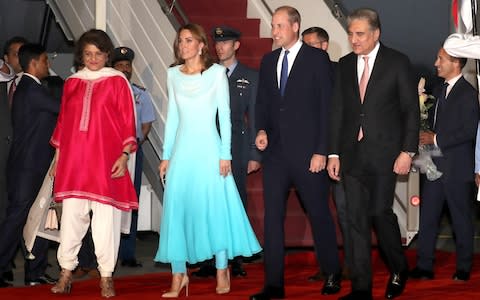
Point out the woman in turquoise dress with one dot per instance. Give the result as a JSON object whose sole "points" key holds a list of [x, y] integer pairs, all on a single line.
{"points": [[203, 215]]}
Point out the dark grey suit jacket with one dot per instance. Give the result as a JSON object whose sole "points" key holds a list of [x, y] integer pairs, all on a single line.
{"points": [[389, 114]]}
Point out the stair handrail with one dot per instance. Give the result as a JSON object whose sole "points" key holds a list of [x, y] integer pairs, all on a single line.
{"points": [[168, 11], [338, 11]]}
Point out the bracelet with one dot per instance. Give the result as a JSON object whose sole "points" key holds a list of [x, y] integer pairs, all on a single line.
{"points": [[127, 154]]}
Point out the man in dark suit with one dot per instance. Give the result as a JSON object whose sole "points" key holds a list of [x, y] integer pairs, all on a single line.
{"points": [[374, 134], [10, 56], [34, 114], [294, 90], [318, 37], [454, 121]]}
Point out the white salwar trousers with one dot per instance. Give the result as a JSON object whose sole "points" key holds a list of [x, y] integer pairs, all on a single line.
{"points": [[75, 220]]}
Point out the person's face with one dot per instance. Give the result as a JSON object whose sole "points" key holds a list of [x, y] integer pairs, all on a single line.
{"points": [[446, 66], [93, 58], [226, 50], [361, 37], [284, 33], [12, 57], [313, 40], [188, 46], [124, 66], [41, 66]]}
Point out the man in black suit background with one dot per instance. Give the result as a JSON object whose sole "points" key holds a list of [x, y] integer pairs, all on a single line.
{"points": [[294, 90], [374, 134], [7, 89], [34, 114], [453, 121], [318, 37]]}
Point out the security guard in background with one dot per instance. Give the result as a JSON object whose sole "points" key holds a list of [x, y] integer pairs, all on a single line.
{"points": [[246, 158], [122, 61]]}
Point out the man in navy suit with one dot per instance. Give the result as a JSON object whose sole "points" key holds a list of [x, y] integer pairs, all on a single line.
{"points": [[295, 84], [453, 121], [374, 134], [34, 114]]}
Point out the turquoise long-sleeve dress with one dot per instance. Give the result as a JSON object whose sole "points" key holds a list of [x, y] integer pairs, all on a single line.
{"points": [[202, 210]]}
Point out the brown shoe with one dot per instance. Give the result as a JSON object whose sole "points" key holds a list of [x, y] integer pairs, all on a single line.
{"points": [[64, 283], [107, 288]]}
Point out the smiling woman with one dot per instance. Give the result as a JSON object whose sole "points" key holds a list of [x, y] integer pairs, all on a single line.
{"points": [[94, 137]]}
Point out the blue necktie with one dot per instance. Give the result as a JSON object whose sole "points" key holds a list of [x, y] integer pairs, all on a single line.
{"points": [[440, 104], [284, 73]]}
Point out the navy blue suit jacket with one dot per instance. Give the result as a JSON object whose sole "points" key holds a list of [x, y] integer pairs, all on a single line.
{"points": [[456, 128], [296, 123], [34, 115]]}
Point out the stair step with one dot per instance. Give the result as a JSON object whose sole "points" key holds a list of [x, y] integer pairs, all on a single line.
{"points": [[255, 47], [248, 27], [232, 8]]}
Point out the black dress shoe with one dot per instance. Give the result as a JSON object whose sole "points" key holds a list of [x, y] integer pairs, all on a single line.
{"points": [[131, 263], [418, 273], [238, 271], [358, 295], [8, 275], [45, 279], [396, 284], [269, 293], [205, 271], [461, 275], [332, 284], [4, 284], [316, 277]]}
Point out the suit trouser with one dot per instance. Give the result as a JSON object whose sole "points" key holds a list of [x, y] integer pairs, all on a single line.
{"points": [[279, 173], [369, 202], [105, 233], [341, 208], [128, 242], [459, 199], [24, 188]]}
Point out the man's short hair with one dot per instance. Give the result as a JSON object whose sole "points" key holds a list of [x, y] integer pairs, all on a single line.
{"points": [[321, 33], [13, 40], [29, 52], [366, 14]]}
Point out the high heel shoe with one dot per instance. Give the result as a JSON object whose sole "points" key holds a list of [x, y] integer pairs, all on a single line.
{"points": [[223, 289], [174, 293], [107, 288], [64, 283]]}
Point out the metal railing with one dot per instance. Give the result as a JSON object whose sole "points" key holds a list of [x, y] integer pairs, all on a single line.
{"points": [[174, 13]]}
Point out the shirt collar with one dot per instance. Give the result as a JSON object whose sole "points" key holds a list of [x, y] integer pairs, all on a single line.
{"points": [[33, 77], [294, 49]]}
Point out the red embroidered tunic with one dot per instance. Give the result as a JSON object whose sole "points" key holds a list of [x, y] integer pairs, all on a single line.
{"points": [[96, 121]]}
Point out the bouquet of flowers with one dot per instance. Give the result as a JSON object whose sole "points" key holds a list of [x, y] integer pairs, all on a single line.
{"points": [[423, 161]]}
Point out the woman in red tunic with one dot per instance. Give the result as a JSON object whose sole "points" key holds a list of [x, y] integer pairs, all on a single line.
{"points": [[94, 137]]}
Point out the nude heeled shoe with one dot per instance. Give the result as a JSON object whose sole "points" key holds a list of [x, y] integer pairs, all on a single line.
{"points": [[64, 283], [107, 288], [174, 293], [225, 289]]}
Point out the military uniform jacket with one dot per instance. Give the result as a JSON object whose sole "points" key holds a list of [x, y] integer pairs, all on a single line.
{"points": [[243, 84]]}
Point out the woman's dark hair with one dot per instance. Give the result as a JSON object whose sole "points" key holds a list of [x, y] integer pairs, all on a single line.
{"points": [[96, 37], [199, 34]]}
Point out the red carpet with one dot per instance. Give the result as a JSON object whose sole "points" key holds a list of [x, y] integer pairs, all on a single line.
{"points": [[299, 266]]}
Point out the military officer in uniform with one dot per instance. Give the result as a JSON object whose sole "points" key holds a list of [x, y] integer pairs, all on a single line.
{"points": [[243, 91], [122, 61]]}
